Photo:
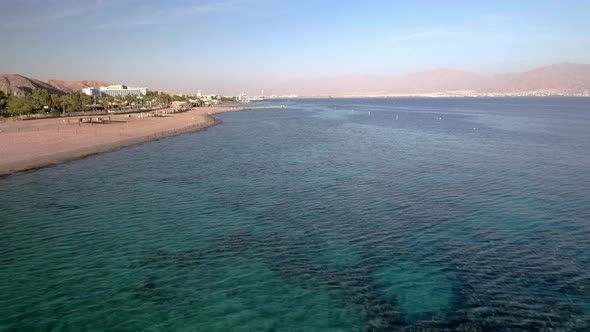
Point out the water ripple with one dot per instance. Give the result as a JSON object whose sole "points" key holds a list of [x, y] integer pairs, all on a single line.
{"points": [[314, 219]]}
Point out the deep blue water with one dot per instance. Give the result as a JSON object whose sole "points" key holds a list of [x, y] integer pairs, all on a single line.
{"points": [[332, 215]]}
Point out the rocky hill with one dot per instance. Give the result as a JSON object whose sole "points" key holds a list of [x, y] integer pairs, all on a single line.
{"points": [[18, 85], [72, 86]]}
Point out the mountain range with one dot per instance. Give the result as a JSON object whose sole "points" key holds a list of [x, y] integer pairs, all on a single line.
{"points": [[557, 79], [18, 85]]}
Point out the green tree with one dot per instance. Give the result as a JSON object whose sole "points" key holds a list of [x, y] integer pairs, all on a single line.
{"points": [[85, 99], [119, 101], [111, 100], [60, 102], [164, 98], [70, 103], [129, 99], [74, 102], [105, 102], [40, 99], [55, 103], [179, 98], [20, 105], [3, 102]]}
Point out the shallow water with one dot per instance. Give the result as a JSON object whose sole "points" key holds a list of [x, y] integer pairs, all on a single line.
{"points": [[335, 214]]}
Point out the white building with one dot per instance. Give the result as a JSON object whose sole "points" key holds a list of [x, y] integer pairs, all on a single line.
{"points": [[114, 91], [90, 91], [122, 90]]}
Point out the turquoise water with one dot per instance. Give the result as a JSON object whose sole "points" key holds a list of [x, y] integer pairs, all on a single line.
{"points": [[332, 215]]}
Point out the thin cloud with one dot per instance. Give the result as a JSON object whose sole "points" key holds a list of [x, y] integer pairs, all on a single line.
{"points": [[160, 16], [59, 9], [29, 14], [69, 12], [128, 24], [419, 35], [216, 6], [490, 27]]}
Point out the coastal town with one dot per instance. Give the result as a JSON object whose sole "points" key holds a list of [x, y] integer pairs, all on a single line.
{"points": [[91, 120], [40, 102]]}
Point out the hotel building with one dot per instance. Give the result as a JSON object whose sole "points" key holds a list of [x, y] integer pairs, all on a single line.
{"points": [[115, 91], [90, 91]]}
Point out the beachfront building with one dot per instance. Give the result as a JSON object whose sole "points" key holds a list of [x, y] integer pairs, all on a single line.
{"points": [[122, 90], [114, 91], [93, 92]]}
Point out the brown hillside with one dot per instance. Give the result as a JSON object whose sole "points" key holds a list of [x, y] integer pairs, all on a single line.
{"points": [[14, 84], [72, 86], [565, 78], [18, 85]]}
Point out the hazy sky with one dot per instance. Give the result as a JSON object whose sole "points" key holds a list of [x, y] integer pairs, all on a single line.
{"points": [[229, 45]]}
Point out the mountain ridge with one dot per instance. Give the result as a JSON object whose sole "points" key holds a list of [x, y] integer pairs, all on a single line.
{"points": [[19, 85], [556, 79]]}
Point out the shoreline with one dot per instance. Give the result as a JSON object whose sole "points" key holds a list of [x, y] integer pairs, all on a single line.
{"points": [[34, 144]]}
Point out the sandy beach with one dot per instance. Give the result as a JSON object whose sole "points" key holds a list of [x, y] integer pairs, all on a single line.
{"points": [[26, 145]]}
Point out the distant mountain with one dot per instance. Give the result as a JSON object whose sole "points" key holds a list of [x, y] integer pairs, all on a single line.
{"points": [[558, 79], [14, 84], [20, 86], [435, 81], [72, 86], [565, 79]]}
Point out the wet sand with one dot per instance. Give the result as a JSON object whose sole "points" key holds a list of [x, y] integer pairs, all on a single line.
{"points": [[32, 144]]}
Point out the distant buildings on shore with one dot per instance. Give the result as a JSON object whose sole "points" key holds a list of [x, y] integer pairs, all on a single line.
{"points": [[114, 91], [211, 99]]}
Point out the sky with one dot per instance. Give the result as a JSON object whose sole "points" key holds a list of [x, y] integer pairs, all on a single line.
{"points": [[229, 46]]}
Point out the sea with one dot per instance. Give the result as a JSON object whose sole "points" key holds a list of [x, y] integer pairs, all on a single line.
{"points": [[385, 214]]}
